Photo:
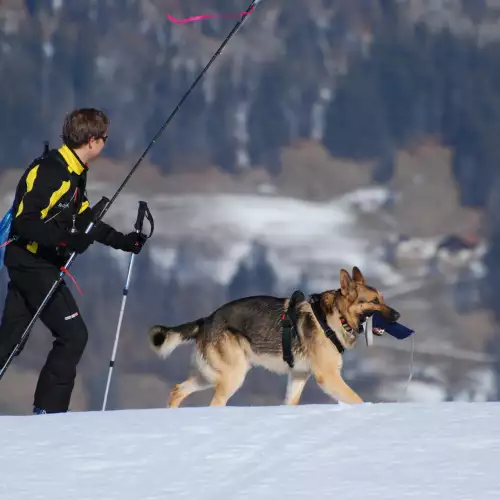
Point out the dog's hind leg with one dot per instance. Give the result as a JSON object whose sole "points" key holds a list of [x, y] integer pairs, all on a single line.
{"points": [[228, 359], [225, 388], [181, 391], [228, 382], [296, 383]]}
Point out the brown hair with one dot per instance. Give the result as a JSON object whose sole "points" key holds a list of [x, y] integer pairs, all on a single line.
{"points": [[82, 124]]}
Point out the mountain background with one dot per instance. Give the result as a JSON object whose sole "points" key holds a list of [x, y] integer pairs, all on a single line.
{"points": [[327, 134]]}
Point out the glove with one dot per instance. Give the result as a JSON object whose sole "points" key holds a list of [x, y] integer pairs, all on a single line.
{"points": [[77, 242], [133, 242]]}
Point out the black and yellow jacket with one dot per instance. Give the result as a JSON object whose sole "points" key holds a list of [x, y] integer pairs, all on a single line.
{"points": [[50, 199]]}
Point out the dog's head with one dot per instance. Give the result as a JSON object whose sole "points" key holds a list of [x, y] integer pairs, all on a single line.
{"points": [[357, 301]]}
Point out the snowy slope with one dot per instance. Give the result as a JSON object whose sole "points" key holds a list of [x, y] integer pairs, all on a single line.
{"points": [[320, 237], [384, 452]]}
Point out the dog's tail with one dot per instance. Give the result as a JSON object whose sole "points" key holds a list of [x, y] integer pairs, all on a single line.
{"points": [[164, 339]]}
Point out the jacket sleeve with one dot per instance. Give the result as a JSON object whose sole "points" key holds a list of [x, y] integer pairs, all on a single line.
{"points": [[85, 214], [110, 237], [44, 188], [101, 232]]}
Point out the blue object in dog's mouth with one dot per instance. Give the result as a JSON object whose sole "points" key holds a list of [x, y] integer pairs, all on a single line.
{"points": [[396, 330]]}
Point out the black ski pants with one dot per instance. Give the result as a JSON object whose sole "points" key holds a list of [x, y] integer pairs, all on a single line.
{"points": [[26, 290]]}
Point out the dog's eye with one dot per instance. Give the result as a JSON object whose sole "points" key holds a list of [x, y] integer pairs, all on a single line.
{"points": [[375, 301]]}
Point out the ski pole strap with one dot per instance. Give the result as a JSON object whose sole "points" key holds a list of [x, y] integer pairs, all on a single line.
{"points": [[151, 221], [144, 213]]}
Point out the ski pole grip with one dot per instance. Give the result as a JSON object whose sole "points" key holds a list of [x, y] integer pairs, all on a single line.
{"points": [[98, 209], [141, 214]]}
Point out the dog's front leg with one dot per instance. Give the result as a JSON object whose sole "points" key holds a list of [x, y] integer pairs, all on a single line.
{"points": [[334, 385], [296, 384]]}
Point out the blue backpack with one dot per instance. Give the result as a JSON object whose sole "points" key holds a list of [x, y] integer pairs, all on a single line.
{"points": [[6, 222], [5, 225]]}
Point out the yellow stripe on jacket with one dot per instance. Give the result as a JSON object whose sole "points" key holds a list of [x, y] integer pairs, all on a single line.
{"points": [[84, 207], [30, 181], [55, 197]]}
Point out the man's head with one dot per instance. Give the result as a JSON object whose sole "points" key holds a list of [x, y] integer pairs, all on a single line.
{"points": [[85, 131]]}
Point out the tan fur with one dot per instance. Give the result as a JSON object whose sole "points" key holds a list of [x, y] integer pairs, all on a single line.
{"points": [[325, 359], [223, 366], [223, 358]]}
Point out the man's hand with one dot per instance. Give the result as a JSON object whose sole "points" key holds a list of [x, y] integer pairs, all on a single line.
{"points": [[107, 235], [78, 242], [133, 242]]}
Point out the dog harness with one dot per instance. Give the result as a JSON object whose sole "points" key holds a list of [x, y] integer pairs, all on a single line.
{"points": [[329, 332], [289, 322]]}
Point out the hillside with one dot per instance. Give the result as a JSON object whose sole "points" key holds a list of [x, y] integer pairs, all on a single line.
{"points": [[334, 133], [210, 231], [374, 452]]}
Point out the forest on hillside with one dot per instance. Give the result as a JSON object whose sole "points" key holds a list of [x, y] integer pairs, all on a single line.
{"points": [[361, 96], [362, 79], [358, 77]]}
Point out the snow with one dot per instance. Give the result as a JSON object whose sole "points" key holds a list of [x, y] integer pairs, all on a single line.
{"points": [[320, 237], [371, 451], [218, 230]]}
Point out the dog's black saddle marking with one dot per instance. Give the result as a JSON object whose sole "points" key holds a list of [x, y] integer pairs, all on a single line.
{"points": [[289, 326]]}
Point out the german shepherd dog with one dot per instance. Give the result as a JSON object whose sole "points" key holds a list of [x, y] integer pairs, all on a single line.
{"points": [[249, 331]]}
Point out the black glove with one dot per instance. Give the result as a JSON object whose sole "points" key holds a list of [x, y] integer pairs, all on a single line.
{"points": [[133, 242], [107, 235], [77, 242]]}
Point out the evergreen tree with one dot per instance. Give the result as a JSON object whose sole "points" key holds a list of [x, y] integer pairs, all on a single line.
{"points": [[356, 120], [255, 275]]}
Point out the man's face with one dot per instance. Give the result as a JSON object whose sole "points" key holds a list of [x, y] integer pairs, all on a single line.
{"points": [[96, 145]]}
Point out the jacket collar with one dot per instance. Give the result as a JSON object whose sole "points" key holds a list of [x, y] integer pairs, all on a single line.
{"points": [[75, 165]]}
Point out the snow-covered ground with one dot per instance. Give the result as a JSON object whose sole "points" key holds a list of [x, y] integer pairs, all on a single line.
{"points": [[319, 237], [383, 452]]}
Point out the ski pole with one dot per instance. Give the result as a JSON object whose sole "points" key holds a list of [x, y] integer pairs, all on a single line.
{"points": [[237, 26], [108, 205], [141, 214]]}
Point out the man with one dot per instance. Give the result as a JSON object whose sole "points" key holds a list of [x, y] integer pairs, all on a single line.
{"points": [[50, 215]]}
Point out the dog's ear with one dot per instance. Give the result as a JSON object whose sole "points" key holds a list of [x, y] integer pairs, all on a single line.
{"points": [[347, 285], [357, 276]]}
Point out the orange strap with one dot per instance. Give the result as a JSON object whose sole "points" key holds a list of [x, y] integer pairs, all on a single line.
{"points": [[65, 271]]}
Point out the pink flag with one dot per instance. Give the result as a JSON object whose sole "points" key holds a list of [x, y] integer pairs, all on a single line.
{"points": [[206, 16]]}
